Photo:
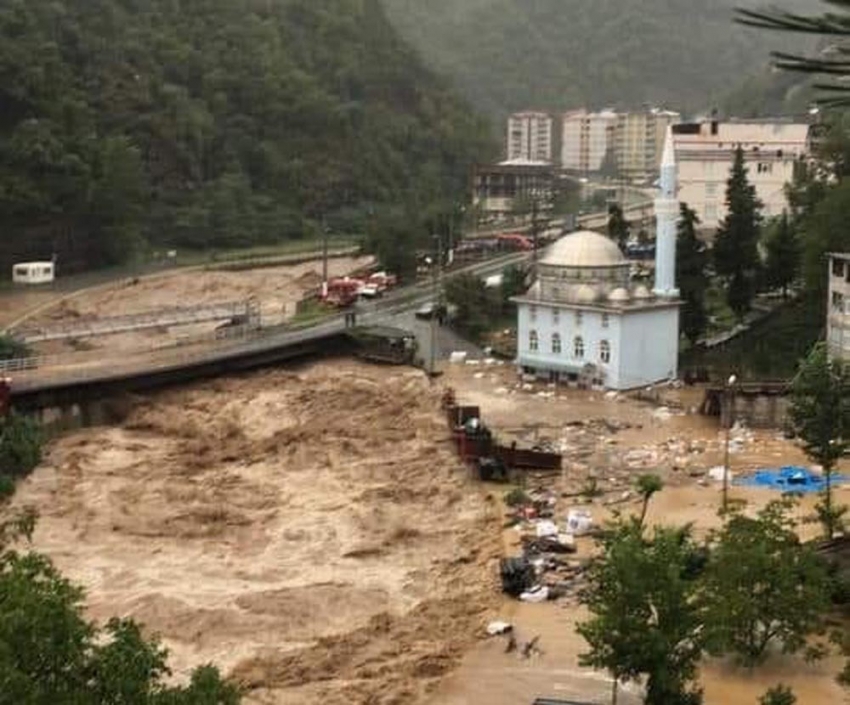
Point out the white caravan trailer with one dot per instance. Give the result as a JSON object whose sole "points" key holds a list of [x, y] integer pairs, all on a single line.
{"points": [[33, 273]]}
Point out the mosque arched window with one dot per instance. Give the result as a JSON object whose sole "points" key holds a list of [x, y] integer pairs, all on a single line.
{"points": [[556, 343], [578, 346], [605, 351], [533, 342]]}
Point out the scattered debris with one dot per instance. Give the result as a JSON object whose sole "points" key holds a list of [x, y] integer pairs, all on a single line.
{"points": [[498, 627]]}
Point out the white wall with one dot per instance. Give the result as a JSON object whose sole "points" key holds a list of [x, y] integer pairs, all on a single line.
{"points": [[705, 153], [585, 139], [702, 185], [590, 329], [650, 347], [838, 307], [529, 136]]}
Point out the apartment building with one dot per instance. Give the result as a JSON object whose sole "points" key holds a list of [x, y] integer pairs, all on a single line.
{"points": [[705, 152], [498, 188], [639, 142], [838, 305], [586, 138], [530, 137]]}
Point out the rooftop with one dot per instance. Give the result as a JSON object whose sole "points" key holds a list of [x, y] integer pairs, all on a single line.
{"points": [[584, 248]]}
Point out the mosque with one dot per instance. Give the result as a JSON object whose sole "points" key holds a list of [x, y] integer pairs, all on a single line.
{"points": [[583, 320]]}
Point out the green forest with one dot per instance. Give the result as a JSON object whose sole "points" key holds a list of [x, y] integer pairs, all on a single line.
{"points": [[127, 125], [507, 55]]}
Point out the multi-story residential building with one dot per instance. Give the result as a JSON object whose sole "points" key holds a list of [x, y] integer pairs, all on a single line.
{"points": [[705, 152], [530, 137], [838, 305], [585, 139], [497, 189], [639, 142]]}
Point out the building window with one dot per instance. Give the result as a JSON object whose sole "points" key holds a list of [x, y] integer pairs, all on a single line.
{"points": [[579, 318], [578, 347], [711, 190], [532, 313], [837, 268], [605, 351], [838, 301], [711, 211], [764, 168], [556, 315], [533, 343], [605, 320], [556, 343]]}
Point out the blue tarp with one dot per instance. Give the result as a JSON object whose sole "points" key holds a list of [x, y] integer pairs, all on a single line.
{"points": [[790, 478]]}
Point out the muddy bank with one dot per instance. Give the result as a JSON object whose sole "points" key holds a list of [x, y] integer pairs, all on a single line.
{"points": [[311, 532], [276, 290]]}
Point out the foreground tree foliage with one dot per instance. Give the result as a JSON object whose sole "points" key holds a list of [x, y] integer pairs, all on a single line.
{"points": [[778, 695], [11, 348], [833, 24], [691, 263], [645, 622], [213, 123], [736, 255], [50, 655], [618, 226], [762, 587], [476, 306], [20, 445], [782, 263], [820, 410]]}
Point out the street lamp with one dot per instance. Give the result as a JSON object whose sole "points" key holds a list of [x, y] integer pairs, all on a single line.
{"points": [[728, 397]]}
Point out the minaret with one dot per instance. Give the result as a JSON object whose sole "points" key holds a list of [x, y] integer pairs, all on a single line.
{"points": [[667, 217]]}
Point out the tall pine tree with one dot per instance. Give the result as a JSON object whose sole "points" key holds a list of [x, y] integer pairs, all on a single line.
{"points": [[691, 261], [736, 255], [782, 263]]}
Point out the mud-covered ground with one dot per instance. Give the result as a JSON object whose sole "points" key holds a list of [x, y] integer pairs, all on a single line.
{"points": [[277, 291]]}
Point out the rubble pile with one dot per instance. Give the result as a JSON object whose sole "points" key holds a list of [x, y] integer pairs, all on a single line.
{"points": [[542, 571]]}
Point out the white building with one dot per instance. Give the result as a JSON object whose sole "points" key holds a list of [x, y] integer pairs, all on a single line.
{"points": [[639, 141], [838, 305], [586, 138], [705, 152], [530, 137], [583, 319], [33, 273]]}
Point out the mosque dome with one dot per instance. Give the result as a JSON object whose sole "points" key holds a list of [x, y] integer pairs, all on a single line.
{"points": [[619, 295], [584, 248], [641, 292]]}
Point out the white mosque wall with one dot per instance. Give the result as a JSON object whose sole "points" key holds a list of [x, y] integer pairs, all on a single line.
{"points": [[649, 347], [593, 327]]}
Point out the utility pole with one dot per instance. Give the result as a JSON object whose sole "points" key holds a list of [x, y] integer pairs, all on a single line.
{"points": [[729, 412], [534, 232], [437, 295], [324, 257]]}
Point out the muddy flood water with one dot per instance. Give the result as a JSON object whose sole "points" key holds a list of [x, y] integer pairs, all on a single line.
{"points": [[312, 532], [614, 438]]}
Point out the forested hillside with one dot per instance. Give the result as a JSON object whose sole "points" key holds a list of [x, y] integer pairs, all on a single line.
{"points": [[198, 123], [512, 54]]}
